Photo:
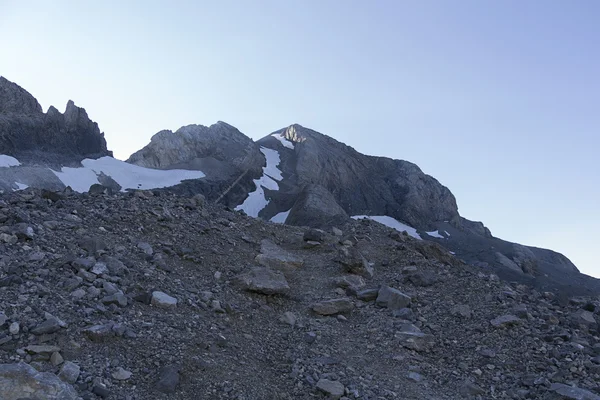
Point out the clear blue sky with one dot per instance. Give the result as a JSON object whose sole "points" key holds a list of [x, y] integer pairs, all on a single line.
{"points": [[499, 100]]}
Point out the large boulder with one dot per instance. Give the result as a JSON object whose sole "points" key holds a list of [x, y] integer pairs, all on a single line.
{"points": [[22, 381], [316, 207]]}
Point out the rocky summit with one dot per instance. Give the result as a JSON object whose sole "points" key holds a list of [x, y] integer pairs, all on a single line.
{"points": [[210, 266]]}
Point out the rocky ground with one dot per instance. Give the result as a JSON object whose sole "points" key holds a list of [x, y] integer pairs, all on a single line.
{"points": [[146, 295]]}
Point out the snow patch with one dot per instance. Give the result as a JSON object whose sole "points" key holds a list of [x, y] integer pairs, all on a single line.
{"points": [[392, 223], [21, 186], [453, 253], [447, 234], [435, 234], [281, 217], [283, 140], [127, 175], [8, 161], [256, 201]]}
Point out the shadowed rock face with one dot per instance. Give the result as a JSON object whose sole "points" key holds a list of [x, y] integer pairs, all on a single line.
{"points": [[316, 207], [364, 184], [31, 136]]}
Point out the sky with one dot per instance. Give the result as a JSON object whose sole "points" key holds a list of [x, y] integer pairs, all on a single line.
{"points": [[496, 99]]}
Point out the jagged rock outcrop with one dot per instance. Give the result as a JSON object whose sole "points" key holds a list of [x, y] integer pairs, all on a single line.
{"points": [[52, 138]]}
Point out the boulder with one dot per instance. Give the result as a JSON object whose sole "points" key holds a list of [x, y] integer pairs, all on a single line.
{"points": [[392, 298], [263, 280], [274, 257], [331, 307], [316, 207], [21, 381]]}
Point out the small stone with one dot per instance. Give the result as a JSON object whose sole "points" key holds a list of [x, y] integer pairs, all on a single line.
{"points": [[117, 298], [78, 294], [146, 248], [367, 294], [69, 372], [347, 281], [461, 310], [334, 389], [263, 280], [168, 379], [331, 307], [49, 326], [415, 376], [505, 321], [56, 359], [100, 269], [315, 235], [3, 319], [14, 328], [121, 374], [337, 231], [392, 298], [288, 318], [163, 300]]}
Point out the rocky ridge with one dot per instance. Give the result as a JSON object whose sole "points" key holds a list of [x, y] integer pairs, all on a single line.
{"points": [[52, 138], [150, 295]]}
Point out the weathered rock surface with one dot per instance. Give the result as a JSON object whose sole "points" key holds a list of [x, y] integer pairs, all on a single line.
{"points": [[263, 280], [29, 135], [21, 381]]}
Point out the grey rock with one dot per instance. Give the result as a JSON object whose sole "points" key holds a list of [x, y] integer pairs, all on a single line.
{"points": [[367, 294], [392, 298], [350, 281], [21, 381], [505, 321], [49, 326], [316, 207], [163, 300], [274, 257], [333, 389], [117, 298], [315, 235], [99, 333], [56, 358], [99, 269], [411, 337], [263, 280], [14, 328], [573, 393], [69, 372], [461, 310], [404, 313], [334, 306], [354, 262], [421, 278], [121, 374], [168, 379], [288, 318], [146, 248], [3, 319]]}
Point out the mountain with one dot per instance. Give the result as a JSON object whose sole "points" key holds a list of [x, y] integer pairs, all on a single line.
{"points": [[294, 175], [310, 179], [54, 150], [162, 277]]}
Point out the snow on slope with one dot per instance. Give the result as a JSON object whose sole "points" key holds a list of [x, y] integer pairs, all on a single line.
{"points": [[284, 141], [8, 161], [21, 186], [435, 234], [256, 201], [281, 217], [392, 223], [127, 175]]}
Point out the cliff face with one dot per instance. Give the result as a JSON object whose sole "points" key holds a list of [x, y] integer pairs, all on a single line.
{"points": [[53, 138]]}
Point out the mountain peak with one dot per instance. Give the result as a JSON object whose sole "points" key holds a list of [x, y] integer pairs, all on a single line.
{"points": [[16, 100]]}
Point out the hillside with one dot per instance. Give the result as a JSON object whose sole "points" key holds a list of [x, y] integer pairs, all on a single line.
{"points": [[149, 295]]}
